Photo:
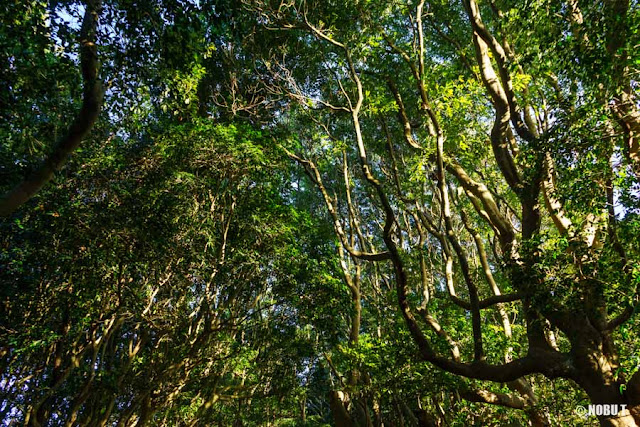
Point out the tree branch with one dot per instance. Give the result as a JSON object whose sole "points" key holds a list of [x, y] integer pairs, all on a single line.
{"points": [[81, 126]]}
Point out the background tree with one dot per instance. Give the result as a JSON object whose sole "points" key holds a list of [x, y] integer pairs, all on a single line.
{"points": [[137, 288]]}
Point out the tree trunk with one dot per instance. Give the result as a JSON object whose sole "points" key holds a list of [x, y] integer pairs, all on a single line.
{"points": [[340, 414], [303, 410], [596, 377]]}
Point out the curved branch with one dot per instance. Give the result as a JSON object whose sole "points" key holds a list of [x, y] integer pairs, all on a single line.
{"points": [[499, 131], [501, 60], [506, 233], [402, 115], [313, 173], [626, 314], [81, 126], [499, 399], [554, 206]]}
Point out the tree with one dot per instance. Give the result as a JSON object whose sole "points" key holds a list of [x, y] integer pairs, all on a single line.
{"points": [[479, 152], [314, 212], [142, 284], [108, 325]]}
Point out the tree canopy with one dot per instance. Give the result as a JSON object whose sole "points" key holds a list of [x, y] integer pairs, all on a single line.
{"points": [[354, 213]]}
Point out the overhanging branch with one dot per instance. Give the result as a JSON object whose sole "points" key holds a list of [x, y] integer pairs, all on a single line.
{"points": [[81, 126]]}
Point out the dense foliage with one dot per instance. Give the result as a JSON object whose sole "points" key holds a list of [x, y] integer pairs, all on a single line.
{"points": [[354, 213]]}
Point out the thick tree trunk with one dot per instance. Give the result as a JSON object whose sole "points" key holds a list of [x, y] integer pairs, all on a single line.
{"points": [[611, 396], [596, 376], [425, 419], [340, 414], [633, 396]]}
